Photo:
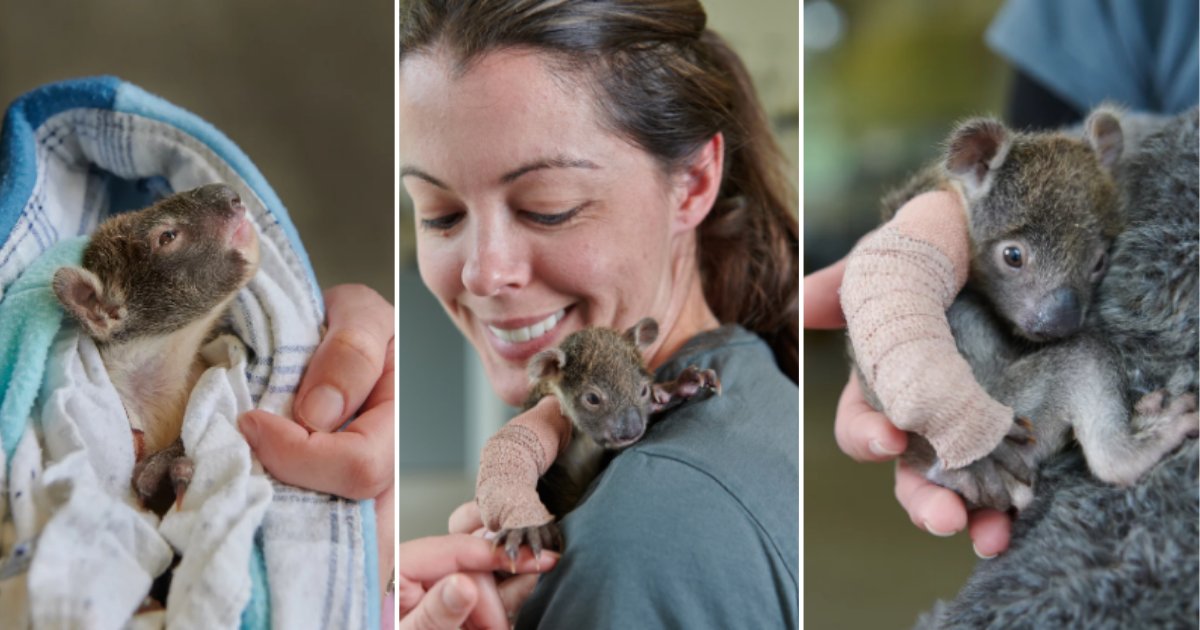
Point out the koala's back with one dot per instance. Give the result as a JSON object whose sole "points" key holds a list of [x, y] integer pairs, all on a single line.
{"points": [[1149, 301]]}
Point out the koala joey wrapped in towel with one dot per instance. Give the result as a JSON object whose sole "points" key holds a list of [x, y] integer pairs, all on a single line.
{"points": [[599, 377], [1042, 210], [153, 285]]}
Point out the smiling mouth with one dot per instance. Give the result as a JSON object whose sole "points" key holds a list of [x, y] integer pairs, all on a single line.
{"points": [[529, 333]]}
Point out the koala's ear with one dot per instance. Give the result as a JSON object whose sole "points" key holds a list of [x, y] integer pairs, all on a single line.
{"points": [[977, 148], [643, 333], [1102, 130], [82, 295], [547, 363]]}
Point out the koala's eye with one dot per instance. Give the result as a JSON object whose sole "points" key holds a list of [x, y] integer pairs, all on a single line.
{"points": [[645, 391], [1013, 256], [592, 399], [1101, 262], [166, 237]]}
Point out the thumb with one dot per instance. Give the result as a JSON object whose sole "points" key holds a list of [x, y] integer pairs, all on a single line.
{"points": [[445, 607]]}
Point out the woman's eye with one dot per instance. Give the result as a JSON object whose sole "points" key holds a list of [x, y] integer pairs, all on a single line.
{"points": [[444, 222], [552, 219], [165, 238]]}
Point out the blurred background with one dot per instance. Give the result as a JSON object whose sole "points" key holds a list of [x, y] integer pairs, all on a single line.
{"points": [[441, 434], [883, 85], [303, 87]]}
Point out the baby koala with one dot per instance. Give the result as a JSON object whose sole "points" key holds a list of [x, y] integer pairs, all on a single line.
{"points": [[605, 390], [1042, 211], [153, 285]]}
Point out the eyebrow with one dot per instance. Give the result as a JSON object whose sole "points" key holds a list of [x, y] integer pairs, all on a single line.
{"points": [[558, 161], [511, 176]]}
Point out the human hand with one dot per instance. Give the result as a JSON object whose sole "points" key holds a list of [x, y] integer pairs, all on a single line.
{"points": [[351, 370], [447, 582], [469, 596], [867, 435]]}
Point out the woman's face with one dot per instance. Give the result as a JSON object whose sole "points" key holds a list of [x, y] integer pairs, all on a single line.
{"points": [[532, 220]]}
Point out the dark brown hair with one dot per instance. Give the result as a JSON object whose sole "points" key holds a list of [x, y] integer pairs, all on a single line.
{"points": [[667, 84]]}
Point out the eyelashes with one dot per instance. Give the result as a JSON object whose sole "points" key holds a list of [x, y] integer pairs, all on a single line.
{"points": [[448, 221]]}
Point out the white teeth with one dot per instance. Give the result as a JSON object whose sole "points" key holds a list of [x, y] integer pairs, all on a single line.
{"points": [[528, 333]]}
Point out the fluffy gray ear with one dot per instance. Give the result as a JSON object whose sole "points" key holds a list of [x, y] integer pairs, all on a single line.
{"points": [[643, 333], [547, 363], [82, 295], [1102, 130], [977, 148]]}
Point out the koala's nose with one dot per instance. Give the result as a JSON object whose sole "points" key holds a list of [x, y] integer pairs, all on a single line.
{"points": [[630, 426], [1059, 314], [220, 196]]}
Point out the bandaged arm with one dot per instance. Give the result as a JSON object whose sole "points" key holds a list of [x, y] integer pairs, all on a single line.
{"points": [[898, 284], [511, 463]]}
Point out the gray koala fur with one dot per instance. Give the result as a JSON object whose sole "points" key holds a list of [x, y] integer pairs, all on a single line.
{"points": [[1087, 554]]}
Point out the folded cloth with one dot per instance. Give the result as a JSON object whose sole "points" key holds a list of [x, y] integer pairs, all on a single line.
{"points": [[74, 549]]}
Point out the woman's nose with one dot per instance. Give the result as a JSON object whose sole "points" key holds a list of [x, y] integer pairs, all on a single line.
{"points": [[496, 261]]}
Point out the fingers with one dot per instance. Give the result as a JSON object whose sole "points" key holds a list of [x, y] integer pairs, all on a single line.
{"points": [[351, 358], [445, 606], [515, 590], [990, 532], [489, 613], [465, 519], [426, 560], [862, 432], [355, 463], [931, 507], [822, 305]]}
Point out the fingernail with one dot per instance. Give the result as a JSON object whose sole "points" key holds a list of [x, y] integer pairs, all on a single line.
{"points": [[935, 532], [452, 596], [982, 556], [876, 447], [249, 429], [322, 407]]}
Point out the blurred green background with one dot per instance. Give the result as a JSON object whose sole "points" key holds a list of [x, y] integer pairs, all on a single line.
{"points": [[304, 87], [883, 84]]}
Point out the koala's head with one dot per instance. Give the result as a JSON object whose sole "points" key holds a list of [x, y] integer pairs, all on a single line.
{"points": [[161, 268], [601, 381], [1042, 212]]}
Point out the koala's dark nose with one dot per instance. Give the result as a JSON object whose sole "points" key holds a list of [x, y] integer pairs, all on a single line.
{"points": [[629, 426], [220, 196], [1058, 315]]}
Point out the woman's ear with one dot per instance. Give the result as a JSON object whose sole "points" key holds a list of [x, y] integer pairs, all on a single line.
{"points": [[699, 184]]}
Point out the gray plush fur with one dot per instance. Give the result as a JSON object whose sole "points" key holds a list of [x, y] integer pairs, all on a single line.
{"points": [[1087, 554]]}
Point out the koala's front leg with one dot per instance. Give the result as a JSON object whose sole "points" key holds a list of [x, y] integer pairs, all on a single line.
{"points": [[691, 382], [510, 465]]}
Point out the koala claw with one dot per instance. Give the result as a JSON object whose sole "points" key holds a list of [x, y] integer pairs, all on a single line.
{"points": [[547, 536], [1021, 431]]}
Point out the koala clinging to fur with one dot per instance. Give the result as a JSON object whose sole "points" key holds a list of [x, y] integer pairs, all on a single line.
{"points": [[1042, 210], [153, 285], [603, 387]]}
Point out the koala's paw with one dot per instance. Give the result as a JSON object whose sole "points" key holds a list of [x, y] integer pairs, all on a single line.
{"points": [[547, 536], [692, 381], [1159, 412], [1001, 480], [161, 478]]}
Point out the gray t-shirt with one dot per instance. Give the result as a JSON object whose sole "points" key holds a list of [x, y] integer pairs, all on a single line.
{"points": [[696, 526]]}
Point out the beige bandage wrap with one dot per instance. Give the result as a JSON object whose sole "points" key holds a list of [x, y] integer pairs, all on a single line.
{"points": [[511, 463], [899, 282]]}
